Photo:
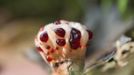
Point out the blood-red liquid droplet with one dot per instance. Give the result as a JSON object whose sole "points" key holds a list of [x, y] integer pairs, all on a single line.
{"points": [[75, 34], [49, 59], [60, 32], [57, 48], [75, 37], [75, 45], [48, 53], [44, 37], [90, 34], [39, 49], [57, 22], [48, 47], [52, 51], [61, 42]]}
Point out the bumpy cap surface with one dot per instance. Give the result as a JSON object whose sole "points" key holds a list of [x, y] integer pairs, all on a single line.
{"points": [[62, 40]]}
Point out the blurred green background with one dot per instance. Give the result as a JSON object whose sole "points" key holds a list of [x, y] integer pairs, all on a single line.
{"points": [[45, 9]]}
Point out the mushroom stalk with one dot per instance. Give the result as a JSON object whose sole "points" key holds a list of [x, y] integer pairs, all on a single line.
{"points": [[74, 67]]}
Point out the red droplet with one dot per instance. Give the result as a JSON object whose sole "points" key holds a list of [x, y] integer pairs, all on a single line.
{"points": [[48, 53], [57, 22], [74, 40], [49, 59], [75, 34], [57, 48], [90, 34], [48, 47], [44, 37], [75, 45], [60, 32], [39, 49], [60, 42], [52, 51]]}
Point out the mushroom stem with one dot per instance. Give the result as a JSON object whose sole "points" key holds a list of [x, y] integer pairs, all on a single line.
{"points": [[74, 67]]}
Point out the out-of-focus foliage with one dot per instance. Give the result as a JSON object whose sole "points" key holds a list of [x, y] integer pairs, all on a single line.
{"points": [[47, 9]]}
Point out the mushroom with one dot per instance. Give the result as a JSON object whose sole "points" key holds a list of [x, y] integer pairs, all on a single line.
{"points": [[62, 45]]}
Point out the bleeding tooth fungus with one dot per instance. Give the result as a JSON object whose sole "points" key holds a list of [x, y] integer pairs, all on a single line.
{"points": [[62, 45]]}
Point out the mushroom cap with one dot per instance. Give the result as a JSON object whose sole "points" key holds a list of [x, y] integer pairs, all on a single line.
{"points": [[62, 40]]}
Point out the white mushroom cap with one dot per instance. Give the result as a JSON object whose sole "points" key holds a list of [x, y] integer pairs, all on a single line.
{"points": [[62, 40]]}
